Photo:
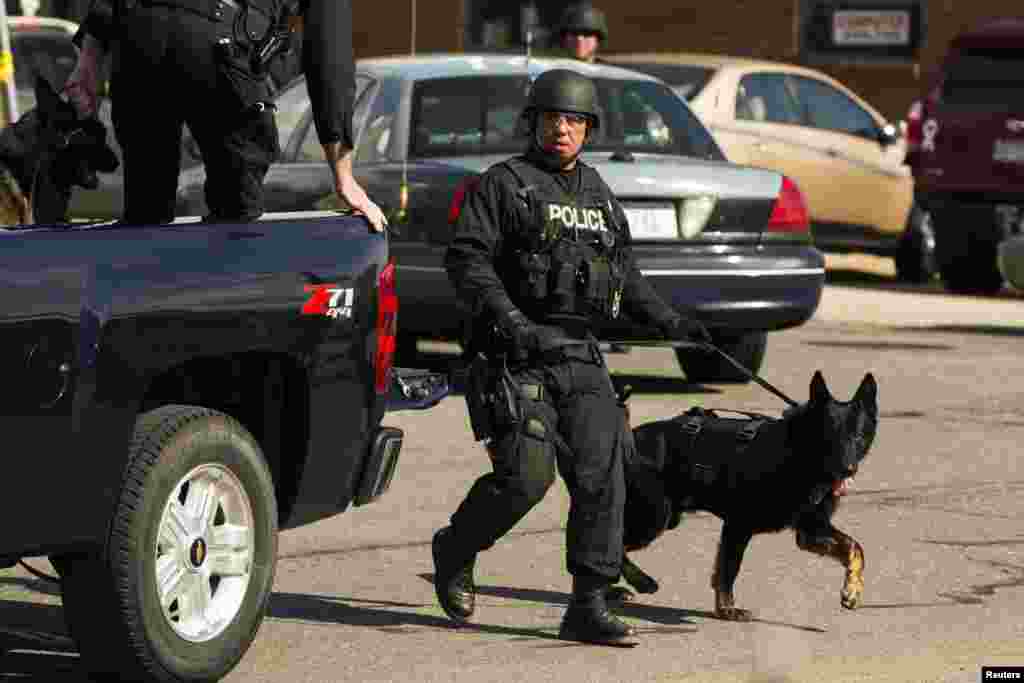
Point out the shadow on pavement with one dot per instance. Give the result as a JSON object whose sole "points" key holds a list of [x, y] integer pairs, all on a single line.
{"points": [[34, 645], [369, 613], [992, 330], [666, 616]]}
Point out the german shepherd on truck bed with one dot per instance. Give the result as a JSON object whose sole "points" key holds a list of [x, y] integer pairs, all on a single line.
{"points": [[757, 474], [43, 155]]}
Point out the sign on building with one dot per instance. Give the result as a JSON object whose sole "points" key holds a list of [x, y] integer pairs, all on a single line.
{"points": [[862, 30]]}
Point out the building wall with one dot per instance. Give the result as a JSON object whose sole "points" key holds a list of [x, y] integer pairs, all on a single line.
{"points": [[757, 28]]}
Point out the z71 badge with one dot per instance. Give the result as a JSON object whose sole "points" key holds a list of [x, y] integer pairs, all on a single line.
{"points": [[329, 300]]}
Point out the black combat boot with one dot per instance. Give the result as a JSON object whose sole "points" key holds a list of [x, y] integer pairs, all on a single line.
{"points": [[453, 577], [588, 619]]}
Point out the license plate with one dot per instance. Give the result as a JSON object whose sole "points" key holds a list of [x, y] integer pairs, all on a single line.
{"points": [[1009, 151], [652, 222]]}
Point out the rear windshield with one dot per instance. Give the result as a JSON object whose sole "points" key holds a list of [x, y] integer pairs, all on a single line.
{"points": [[686, 80], [989, 79], [477, 115]]}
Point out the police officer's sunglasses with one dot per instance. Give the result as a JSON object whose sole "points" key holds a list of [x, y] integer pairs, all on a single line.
{"points": [[553, 118]]}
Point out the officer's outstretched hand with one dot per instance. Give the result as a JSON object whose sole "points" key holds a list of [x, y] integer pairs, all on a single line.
{"points": [[686, 329], [348, 188]]}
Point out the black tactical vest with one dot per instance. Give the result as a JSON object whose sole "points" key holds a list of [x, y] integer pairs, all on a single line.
{"points": [[568, 256]]}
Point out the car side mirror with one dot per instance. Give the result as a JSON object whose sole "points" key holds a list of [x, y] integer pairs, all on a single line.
{"points": [[889, 135]]}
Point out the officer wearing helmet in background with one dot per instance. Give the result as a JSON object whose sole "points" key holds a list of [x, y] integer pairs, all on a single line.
{"points": [[541, 256], [583, 31]]}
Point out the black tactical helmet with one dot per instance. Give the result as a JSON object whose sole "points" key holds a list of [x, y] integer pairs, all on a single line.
{"points": [[584, 18], [564, 90]]}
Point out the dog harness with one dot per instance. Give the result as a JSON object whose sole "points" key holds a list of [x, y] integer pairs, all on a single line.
{"points": [[706, 468]]}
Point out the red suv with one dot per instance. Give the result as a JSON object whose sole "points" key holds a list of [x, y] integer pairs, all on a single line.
{"points": [[966, 140]]}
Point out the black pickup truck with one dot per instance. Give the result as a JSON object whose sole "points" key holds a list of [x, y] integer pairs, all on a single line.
{"points": [[174, 396]]}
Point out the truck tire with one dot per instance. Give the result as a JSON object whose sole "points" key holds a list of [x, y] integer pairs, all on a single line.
{"points": [[182, 586], [968, 261], [975, 270], [706, 366], [915, 259]]}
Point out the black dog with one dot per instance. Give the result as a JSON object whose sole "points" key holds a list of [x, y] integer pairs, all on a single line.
{"points": [[44, 154], [757, 474]]}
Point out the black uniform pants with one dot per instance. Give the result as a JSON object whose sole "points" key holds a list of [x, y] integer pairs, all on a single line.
{"points": [[579, 402], [166, 73]]}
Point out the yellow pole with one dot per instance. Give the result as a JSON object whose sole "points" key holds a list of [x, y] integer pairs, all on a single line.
{"points": [[9, 94]]}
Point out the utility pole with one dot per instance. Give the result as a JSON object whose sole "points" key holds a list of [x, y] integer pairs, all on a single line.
{"points": [[8, 93], [412, 27]]}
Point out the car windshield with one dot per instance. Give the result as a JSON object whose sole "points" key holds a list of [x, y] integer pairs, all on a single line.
{"points": [[989, 79], [476, 115]]}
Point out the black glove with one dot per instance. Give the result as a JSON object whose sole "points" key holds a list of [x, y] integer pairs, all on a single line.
{"points": [[528, 337], [686, 329]]}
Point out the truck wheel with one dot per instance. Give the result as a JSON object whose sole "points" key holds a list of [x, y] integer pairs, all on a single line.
{"points": [[915, 259], [182, 586], [706, 366]]}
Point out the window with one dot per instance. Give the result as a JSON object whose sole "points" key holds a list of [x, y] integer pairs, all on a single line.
{"points": [[310, 149], [985, 79], [481, 115], [831, 109], [765, 98], [54, 47], [685, 79], [292, 108], [377, 141]]}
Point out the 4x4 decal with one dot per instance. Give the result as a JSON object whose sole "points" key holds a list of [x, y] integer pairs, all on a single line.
{"points": [[329, 300]]}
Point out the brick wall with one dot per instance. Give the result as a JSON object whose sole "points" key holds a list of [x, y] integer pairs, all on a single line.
{"points": [[755, 28]]}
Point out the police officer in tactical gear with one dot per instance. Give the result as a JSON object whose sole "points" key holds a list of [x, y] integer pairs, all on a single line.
{"points": [[204, 63], [583, 31], [541, 255]]}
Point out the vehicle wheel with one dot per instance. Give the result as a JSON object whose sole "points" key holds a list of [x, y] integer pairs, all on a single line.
{"points": [[707, 366], [974, 269], [915, 260], [182, 587]]}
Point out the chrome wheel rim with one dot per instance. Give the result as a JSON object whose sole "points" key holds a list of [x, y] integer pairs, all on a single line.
{"points": [[204, 553]]}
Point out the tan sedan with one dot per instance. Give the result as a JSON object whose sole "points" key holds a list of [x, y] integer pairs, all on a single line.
{"points": [[847, 159]]}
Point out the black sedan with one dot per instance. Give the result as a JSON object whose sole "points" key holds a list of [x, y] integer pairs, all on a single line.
{"points": [[729, 242]]}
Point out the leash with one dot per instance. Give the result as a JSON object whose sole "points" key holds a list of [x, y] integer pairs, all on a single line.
{"points": [[746, 372], [707, 346]]}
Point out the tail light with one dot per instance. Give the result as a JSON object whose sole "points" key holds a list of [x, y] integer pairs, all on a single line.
{"points": [[459, 198], [915, 119], [789, 214], [387, 327]]}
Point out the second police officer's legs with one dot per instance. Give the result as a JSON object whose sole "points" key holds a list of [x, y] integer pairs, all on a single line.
{"points": [[171, 75], [146, 117]]}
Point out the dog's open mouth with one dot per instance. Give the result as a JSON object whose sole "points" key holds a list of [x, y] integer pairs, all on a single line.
{"points": [[842, 485]]}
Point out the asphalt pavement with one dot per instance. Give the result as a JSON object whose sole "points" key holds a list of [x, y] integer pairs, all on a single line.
{"points": [[938, 507]]}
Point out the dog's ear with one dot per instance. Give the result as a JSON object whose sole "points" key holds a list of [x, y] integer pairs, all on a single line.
{"points": [[819, 392], [867, 392], [47, 99]]}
